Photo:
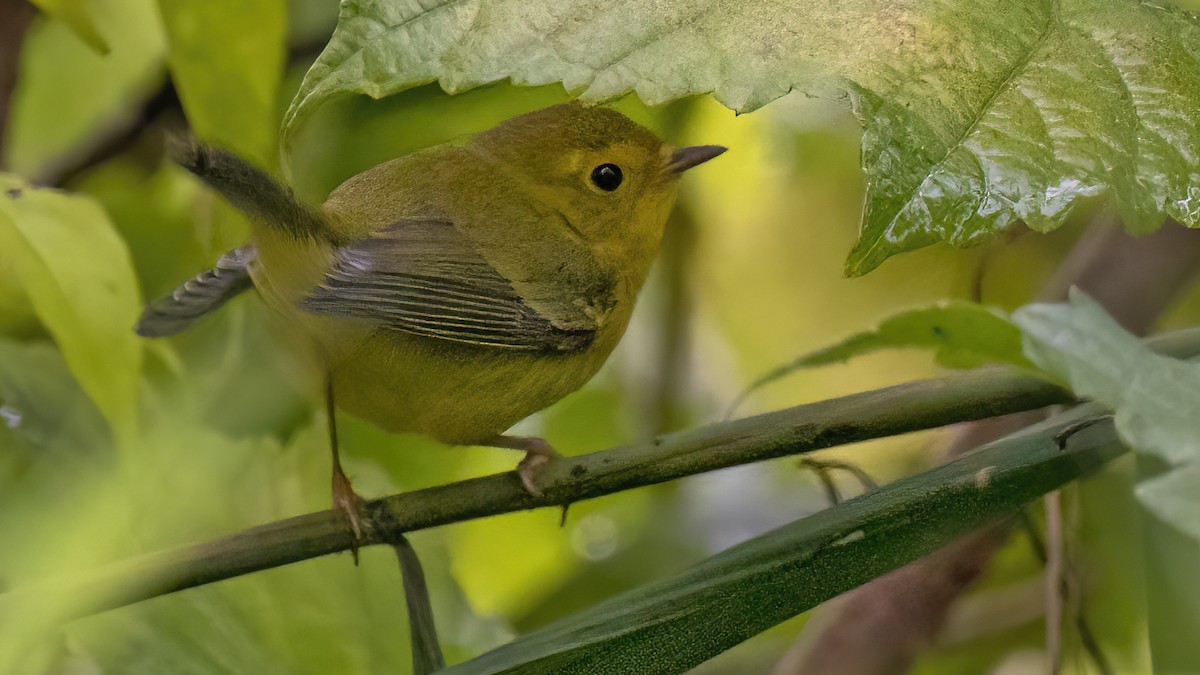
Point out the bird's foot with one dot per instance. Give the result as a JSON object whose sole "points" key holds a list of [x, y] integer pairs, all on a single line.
{"points": [[538, 453], [347, 501]]}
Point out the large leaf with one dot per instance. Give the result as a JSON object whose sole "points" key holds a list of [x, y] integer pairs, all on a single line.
{"points": [[976, 113], [1153, 396], [675, 623], [79, 278], [226, 58]]}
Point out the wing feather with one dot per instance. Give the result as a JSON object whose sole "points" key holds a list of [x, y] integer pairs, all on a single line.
{"points": [[425, 278]]}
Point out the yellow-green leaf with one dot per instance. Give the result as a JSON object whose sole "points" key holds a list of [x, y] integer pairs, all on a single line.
{"points": [[79, 277], [78, 15]]}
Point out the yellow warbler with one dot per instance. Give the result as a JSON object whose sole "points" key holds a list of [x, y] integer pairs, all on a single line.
{"points": [[459, 289]]}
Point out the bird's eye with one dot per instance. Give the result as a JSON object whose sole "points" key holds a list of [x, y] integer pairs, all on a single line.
{"points": [[607, 177]]}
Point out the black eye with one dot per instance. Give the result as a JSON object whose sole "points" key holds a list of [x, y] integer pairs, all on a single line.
{"points": [[607, 177]]}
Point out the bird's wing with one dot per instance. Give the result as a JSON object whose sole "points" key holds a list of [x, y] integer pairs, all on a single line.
{"points": [[198, 296], [425, 278]]}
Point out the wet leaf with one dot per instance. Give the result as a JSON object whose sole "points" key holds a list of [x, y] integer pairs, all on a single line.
{"points": [[976, 114]]}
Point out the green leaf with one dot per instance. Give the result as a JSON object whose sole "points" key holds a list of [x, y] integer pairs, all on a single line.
{"points": [[78, 15], [79, 278], [961, 335], [1079, 98], [682, 620], [226, 58], [325, 616], [1153, 396], [976, 113]]}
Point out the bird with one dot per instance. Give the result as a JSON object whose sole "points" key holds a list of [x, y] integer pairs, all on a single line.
{"points": [[456, 290]]}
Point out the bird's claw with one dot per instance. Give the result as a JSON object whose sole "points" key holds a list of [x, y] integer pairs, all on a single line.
{"points": [[346, 501], [527, 470], [538, 453]]}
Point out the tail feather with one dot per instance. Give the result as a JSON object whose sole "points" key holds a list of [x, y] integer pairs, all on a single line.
{"points": [[250, 189], [199, 296]]}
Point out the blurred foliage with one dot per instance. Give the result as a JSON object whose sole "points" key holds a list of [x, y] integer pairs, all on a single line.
{"points": [[77, 14], [1151, 397], [228, 77], [66, 93], [228, 436]]}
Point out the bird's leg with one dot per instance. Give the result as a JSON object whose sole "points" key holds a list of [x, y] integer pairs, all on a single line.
{"points": [[537, 454], [344, 497]]}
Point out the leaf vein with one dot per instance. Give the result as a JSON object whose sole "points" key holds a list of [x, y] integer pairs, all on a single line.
{"points": [[1019, 66]]}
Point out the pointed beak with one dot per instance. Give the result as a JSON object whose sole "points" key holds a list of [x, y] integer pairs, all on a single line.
{"points": [[685, 158]]}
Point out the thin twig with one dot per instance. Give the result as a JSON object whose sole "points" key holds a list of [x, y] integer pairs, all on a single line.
{"points": [[822, 473], [1090, 645], [864, 479], [110, 140], [1054, 580]]}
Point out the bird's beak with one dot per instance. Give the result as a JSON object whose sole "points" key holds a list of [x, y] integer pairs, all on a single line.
{"points": [[685, 158]]}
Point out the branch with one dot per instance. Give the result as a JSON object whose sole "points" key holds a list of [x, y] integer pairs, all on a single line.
{"points": [[925, 404], [971, 395]]}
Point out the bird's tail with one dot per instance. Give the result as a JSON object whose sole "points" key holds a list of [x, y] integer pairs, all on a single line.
{"points": [[199, 296], [250, 189]]}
